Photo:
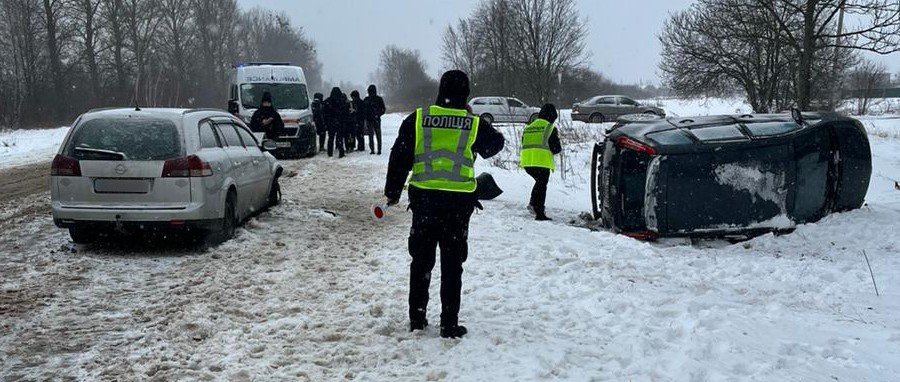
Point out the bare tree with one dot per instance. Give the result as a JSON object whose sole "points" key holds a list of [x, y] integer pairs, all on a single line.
{"points": [[813, 26], [88, 14], [866, 81], [518, 47], [401, 73]]}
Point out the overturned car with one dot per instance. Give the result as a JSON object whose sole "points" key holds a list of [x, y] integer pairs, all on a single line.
{"points": [[721, 176]]}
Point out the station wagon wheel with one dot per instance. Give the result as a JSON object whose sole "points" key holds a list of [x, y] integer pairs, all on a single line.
{"points": [[596, 171], [275, 194], [488, 117], [82, 235], [597, 118], [533, 118], [229, 220]]}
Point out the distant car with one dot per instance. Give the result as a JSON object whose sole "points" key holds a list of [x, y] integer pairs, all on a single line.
{"points": [[728, 175], [503, 109], [608, 108], [135, 170]]}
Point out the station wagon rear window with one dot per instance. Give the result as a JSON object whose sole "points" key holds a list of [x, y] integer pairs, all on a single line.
{"points": [[719, 133], [768, 129], [139, 139]]}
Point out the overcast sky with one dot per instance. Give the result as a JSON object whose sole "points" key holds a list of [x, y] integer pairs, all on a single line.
{"points": [[351, 33]]}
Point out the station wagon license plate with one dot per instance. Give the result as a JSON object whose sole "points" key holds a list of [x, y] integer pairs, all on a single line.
{"points": [[121, 186], [283, 145]]}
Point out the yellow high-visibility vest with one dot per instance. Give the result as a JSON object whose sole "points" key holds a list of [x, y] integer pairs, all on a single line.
{"points": [[536, 145], [443, 155]]}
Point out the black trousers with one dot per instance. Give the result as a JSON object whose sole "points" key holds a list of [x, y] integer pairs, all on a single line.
{"points": [[335, 137], [374, 129], [539, 191], [448, 230], [360, 135], [322, 137]]}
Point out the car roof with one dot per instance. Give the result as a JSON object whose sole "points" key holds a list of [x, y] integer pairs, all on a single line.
{"points": [[166, 113]]}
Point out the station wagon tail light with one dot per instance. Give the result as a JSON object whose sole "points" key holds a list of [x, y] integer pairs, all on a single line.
{"points": [[65, 166], [631, 144], [190, 166]]}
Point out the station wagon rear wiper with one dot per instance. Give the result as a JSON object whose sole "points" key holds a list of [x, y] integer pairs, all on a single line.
{"points": [[118, 155]]}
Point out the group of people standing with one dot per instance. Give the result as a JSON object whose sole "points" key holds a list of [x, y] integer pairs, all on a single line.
{"points": [[344, 123]]}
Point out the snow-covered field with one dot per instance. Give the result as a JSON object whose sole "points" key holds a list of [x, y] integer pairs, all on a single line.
{"points": [[19, 147], [316, 290]]}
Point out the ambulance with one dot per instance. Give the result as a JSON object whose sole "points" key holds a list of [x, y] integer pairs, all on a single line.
{"points": [[287, 85]]}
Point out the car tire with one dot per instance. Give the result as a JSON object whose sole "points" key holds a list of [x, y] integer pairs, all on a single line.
{"points": [[81, 235], [228, 223], [596, 118], [532, 118], [596, 162], [488, 117], [274, 193]]}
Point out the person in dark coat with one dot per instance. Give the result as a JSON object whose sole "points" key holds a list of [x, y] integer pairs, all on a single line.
{"points": [[374, 107], [541, 175], [318, 112], [266, 118], [358, 120], [337, 112], [440, 218]]}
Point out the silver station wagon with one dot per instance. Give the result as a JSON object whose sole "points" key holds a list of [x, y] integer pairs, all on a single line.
{"points": [[137, 170]]}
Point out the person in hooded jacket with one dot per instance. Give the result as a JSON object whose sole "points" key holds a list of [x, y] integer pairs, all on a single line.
{"points": [[357, 119], [266, 118], [318, 112], [442, 197], [540, 142], [374, 107], [337, 111]]}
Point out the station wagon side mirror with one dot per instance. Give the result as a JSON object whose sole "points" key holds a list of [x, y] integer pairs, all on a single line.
{"points": [[268, 145], [233, 107]]}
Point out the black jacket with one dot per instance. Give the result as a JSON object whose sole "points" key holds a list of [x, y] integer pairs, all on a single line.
{"points": [[274, 129], [318, 111], [453, 92], [555, 145], [374, 106], [337, 111], [358, 110]]}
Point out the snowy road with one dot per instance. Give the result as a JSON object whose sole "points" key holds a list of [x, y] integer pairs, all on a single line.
{"points": [[315, 290]]}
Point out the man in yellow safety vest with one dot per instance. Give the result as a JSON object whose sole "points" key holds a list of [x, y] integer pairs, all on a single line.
{"points": [[540, 142], [438, 144]]}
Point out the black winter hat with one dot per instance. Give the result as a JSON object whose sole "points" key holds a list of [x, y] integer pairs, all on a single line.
{"points": [[354, 94], [267, 97], [548, 113], [336, 92], [318, 96], [454, 90], [372, 90]]}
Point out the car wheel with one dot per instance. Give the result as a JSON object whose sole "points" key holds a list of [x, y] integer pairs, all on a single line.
{"points": [[274, 193], [81, 235], [597, 118], [596, 171], [227, 225], [533, 118], [487, 117]]}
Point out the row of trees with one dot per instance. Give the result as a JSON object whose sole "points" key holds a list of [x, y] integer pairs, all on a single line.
{"points": [[65, 56], [779, 53]]}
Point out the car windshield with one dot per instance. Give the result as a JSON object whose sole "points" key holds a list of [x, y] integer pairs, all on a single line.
{"points": [[140, 139], [719, 133], [284, 96]]}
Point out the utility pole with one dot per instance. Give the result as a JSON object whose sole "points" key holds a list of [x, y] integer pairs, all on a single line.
{"points": [[838, 89]]}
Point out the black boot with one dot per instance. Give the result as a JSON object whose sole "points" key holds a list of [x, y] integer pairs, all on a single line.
{"points": [[417, 325], [540, 215], [455, 331]]}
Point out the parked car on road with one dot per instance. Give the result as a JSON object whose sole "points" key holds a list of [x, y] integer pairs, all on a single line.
{"points": [[728, 175], [608, 108], [137, 170], [503, 109]]}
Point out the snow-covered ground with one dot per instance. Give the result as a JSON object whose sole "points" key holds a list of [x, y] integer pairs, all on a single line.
{"points": [[316, 290], [19, 147]]}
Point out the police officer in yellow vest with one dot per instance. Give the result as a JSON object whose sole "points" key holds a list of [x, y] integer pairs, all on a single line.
{"points": [[540, 142], [438, 144]]}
